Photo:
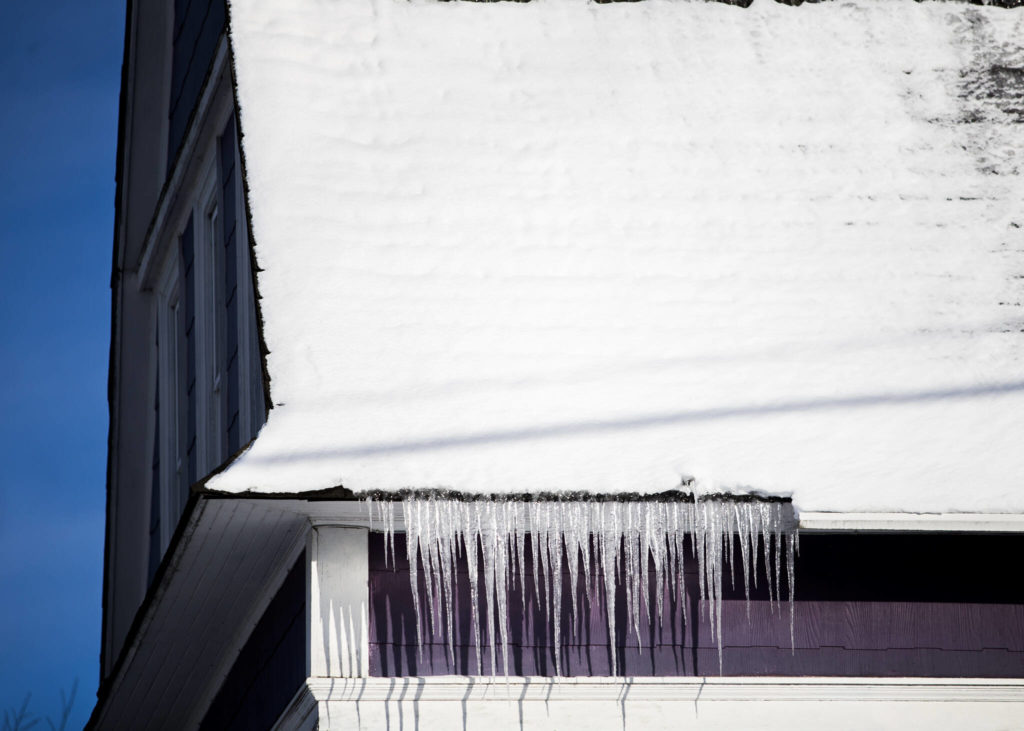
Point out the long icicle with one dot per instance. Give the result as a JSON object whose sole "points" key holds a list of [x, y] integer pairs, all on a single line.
{"points": [[608, 536]]}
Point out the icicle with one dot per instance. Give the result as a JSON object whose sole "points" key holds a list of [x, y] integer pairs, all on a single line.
{"points": [[412, 551], [608, 536], [471, 524], [608, 566], [792, 548]]}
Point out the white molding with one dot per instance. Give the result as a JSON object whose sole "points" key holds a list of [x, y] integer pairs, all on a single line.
{"points": [[931, 522], [621, 704], [354, 513], [460, 688], [337, 605]]}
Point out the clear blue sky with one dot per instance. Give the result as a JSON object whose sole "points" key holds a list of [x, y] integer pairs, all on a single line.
{"points": [[59, 78]]}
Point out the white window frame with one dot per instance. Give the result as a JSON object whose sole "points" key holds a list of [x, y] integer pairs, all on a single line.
{"points": [[208, 342], [202, 204], [173, 459]]}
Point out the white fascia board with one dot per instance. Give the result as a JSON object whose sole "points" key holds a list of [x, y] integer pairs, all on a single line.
{"points": [[356, 513], [913, 522]]}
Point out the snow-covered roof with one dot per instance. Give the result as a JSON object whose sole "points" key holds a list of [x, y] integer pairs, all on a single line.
{"points": [[562, 245]]}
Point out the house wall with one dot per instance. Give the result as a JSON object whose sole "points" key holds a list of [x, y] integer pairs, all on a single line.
{"points": [[897, 605], [176, 104], [142, 157], [901, 606]]}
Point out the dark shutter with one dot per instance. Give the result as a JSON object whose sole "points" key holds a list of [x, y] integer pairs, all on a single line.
{"points": [[229, 182], [154, 483], [188, 294]]}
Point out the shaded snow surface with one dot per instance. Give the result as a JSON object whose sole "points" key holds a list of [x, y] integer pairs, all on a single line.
{"points": [[562, 245]]}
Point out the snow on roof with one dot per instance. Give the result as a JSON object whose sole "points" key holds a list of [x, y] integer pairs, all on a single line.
{"points": [[562, 245]]}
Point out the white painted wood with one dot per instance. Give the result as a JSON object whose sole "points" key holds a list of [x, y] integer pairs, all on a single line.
{"points": [[932, 522], [356, 513], [706, 688], [338, 623], [663, 703]]}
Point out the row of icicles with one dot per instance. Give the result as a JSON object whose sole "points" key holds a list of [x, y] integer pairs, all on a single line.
{"points": [[625, 541]]}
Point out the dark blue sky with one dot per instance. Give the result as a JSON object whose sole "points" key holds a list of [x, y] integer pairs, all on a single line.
{"points": [[59, 77]]}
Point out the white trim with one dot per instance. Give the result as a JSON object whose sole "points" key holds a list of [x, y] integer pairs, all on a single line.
{"points": [[653, 703], [337, 602], [354, 513], [460, 688], [931, 522]]}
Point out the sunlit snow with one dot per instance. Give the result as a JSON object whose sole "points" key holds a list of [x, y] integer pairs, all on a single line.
{"points": [[563, 245]]}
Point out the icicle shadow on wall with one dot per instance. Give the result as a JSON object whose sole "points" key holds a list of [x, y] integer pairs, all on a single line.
{"points": [[579, 585]]}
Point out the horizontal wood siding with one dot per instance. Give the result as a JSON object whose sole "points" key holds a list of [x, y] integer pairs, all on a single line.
{"points": [[271, 666], [198, 25], [229, 182], [867, 605], [188, 251]]}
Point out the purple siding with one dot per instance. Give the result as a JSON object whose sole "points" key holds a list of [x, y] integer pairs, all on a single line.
{"points": [[867, 605]]}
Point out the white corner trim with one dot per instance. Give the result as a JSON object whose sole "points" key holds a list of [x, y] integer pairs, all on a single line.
{"points": [[932, 522], [460, 688], [337, 605]]}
